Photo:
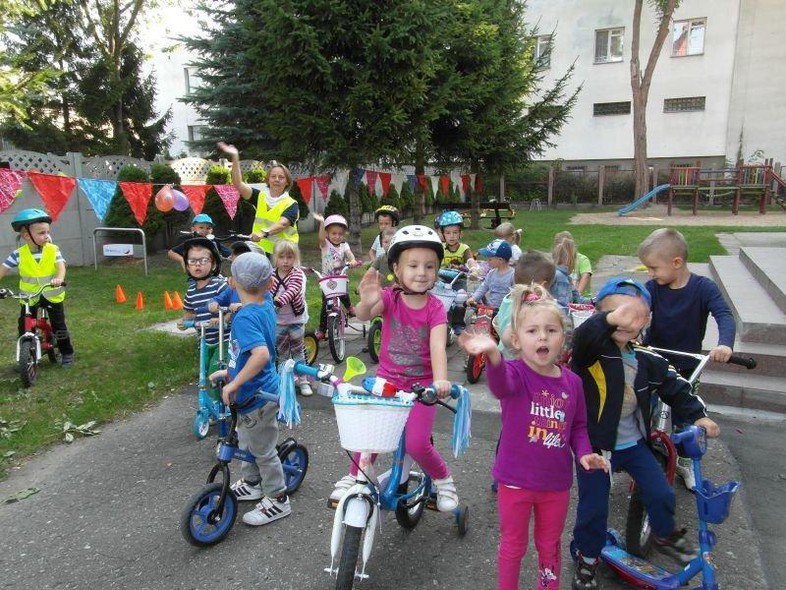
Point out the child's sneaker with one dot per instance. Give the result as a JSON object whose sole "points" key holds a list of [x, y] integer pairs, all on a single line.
{"points": [[677, 546], [447, 498], [246, 492], [305, 389], [584, 576], [67, 361], [268, 510], [685, 471], [342, 487]]}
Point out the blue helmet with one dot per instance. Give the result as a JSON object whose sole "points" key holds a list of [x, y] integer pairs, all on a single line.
{"points": [[450, 218], [202, 218], [29, 216]]}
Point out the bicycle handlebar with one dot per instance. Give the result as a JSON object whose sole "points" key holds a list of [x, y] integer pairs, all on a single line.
{"points": [[4, 293], [743, 361]]}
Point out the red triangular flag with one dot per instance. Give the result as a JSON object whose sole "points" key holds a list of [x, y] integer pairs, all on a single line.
{"points": [[196, 194], [465, 183], [138, 195], [305, 184], [371, 179], [423, 182], [444, 184], [54, 190], [323, 183], [478, 183], [229, 195], [384, 178]]}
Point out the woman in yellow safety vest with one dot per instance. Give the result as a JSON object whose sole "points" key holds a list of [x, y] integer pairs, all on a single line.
{"points": [[277, 213]]}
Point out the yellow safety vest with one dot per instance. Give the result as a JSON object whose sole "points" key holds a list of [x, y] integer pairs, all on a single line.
{"points": [[33, 274], [456, 257], [266, 217]]}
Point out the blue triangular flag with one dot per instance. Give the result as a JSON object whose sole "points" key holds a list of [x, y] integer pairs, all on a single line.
{"points": [[99, 193]]}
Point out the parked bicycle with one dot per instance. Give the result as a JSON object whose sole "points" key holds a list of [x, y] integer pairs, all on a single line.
{"points": [[37, 339], [451, 297]]}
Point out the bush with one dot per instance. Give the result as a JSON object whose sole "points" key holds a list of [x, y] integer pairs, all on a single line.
{"points": [[392, 198], [407, 199], [256, 175], [295, 193], [336, 205], [368, 202], [620, 189]]}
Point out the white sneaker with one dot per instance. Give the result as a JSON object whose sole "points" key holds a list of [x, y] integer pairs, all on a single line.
{"points": [[305, 389], [447, 498], [685, 471], [268, 510], [246, 492], [342, 487]]}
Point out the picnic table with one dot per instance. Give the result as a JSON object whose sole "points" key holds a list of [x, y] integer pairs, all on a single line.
{"points": [[495, 211]]}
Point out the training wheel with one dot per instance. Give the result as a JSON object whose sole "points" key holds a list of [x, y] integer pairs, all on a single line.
{"points": [[462, 519]]}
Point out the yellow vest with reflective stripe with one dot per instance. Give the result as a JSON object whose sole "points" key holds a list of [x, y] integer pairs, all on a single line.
{"points": [[266, 217], [33, 274]]}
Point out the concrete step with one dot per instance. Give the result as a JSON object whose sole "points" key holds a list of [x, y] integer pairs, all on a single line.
{"points": [[770, 358], [757, 392], [759, 319], [768, 267]]}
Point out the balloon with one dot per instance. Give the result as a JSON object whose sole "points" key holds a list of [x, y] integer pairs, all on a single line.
{"points": [[164, 199], [181, 201]]}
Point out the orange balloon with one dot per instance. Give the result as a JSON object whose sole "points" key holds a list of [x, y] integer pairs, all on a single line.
{"points": [[165, 201]]}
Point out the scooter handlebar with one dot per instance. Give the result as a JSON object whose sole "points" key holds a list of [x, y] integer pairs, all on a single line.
{"points": [[743, 361]]}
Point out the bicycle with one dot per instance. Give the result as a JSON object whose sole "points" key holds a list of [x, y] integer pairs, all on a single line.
{"points": [[211, 512], [369, 424], [451, 298], [374, 338], [481, 324], [37, 339], [638, 533]]}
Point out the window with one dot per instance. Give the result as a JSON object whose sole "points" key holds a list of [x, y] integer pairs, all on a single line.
{"points": [[608, 45], [685, 104], [192, 80], [688, 37], [195, 132], [543, 52], [600, 109], [577, 170]]}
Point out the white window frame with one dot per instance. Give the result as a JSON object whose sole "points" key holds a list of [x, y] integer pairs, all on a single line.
{"points": [[691, 25], [195, 132], [543, 45], [604, 41]]}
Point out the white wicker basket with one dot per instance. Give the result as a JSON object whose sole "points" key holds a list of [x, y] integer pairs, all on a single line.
{"points": [[446, 295], [370, 424], [334, 285], [579, 317]]}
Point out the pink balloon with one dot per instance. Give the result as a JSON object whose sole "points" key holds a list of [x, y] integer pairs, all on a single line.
{"points": [[164, 199], [180, 200]]}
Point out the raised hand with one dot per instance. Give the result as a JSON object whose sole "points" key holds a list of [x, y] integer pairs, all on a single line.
{"points": [[228, 149], [370, 287], [476, 343]]}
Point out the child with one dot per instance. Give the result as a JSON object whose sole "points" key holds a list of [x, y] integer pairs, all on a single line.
{"points": [[336, 254], [387, 216], [544, 425], [380, 263], [563, 288], [681, 302], [289, 299], [201, 226], [619, 381], [252, 367], [457, 254], [40, 262], [506, 231], [203, 264], [581, 269], [499, 279], [413, 346], [229, 296]]}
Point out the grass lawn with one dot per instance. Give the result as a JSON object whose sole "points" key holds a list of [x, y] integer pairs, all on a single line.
{"points": [[121, 367]]}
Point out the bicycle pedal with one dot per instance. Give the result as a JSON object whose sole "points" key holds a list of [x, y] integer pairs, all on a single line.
{"points": [[431, 503], [332, 504]]}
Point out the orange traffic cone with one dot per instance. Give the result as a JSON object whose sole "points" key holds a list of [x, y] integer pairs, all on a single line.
{"points": [[120, 296], [140, 301], [177, 302], [168, 301]]}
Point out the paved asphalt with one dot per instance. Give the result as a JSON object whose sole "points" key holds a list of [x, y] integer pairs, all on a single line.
{"points": [[108, 511]]}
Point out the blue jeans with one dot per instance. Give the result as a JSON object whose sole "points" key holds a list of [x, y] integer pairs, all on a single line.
{"points": [[589, 532]]}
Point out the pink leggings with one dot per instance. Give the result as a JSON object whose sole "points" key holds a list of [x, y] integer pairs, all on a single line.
{"points": [[515, 507], [419, 447]]}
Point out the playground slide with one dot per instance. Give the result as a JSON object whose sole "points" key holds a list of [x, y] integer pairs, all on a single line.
{"points": [[643, 199]]}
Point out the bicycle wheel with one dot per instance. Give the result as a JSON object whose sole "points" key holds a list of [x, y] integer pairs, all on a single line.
{"points": [[374, 339], [408, 513], [345, 578], [638, 532], [294, 461], [200, 524], [51, 351], [310, 347], [335, 333], [201, 425], [28, 365], [475, 363]]}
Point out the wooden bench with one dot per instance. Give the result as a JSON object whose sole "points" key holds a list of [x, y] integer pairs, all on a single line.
{"points": [[501, 211]]}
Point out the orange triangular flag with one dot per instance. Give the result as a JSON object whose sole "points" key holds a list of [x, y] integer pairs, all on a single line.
{"points": [[120, 296], [140, 301], [168, 301], [177, 302]]}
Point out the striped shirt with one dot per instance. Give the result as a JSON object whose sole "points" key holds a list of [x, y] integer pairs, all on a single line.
{"points": [[289, 297], [196, 302], [13, 259]]}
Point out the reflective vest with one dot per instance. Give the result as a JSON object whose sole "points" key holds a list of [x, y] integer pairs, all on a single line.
{"points": [[33, 274], [456, 257], [266, 217]]}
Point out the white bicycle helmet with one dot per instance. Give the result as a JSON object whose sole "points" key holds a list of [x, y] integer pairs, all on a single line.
{"points": [[414, 236]]}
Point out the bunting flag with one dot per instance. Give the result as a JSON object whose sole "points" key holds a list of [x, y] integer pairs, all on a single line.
{"points": [[465, 184], [413, 180], [229, 195], [384, 178], [478, 183], [357, 175], [196, 194], [305, 185], [10, 182], [55, 191], [138, 195], [323, 183], [371, 179], [444, 184], [434, 184], [99, 193], [423, 182]]}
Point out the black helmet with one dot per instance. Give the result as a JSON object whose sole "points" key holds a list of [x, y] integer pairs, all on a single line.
{"points": [[208, 244], [414, 236], [390, 211]]}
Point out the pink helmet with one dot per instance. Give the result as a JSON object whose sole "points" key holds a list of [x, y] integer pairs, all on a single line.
{"points": [[336, 220]]}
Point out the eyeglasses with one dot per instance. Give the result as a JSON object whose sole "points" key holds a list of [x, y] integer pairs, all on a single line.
{"points": [[198, 261]]}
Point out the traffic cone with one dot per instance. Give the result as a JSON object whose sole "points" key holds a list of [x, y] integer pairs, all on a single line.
{"points": [[140, 301], [120, 296], [177, 302], [168, 301]]}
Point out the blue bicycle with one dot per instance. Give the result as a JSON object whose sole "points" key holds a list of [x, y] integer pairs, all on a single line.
{"points": [[371, 424]]}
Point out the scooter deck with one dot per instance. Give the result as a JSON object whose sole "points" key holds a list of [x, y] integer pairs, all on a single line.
{"points": [[637, 571]]}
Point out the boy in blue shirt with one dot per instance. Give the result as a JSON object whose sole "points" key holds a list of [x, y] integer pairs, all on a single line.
{"points": [[252, 368], [499, 280]]}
